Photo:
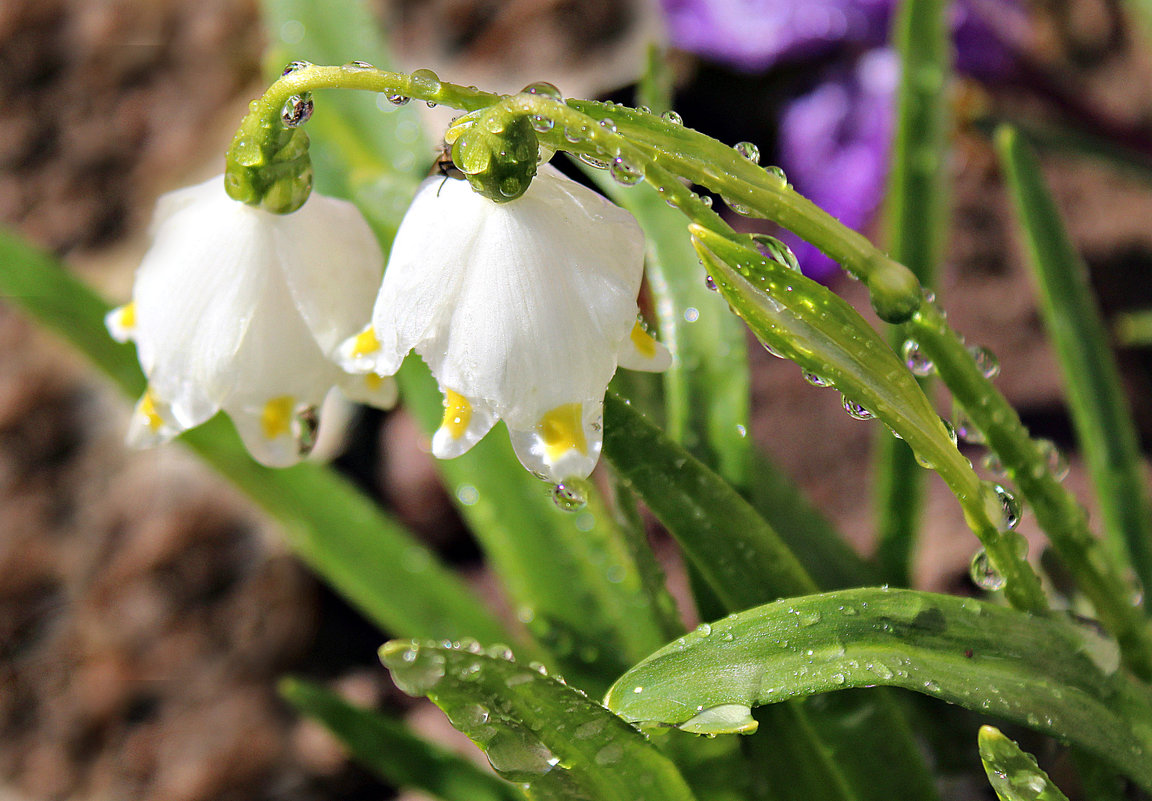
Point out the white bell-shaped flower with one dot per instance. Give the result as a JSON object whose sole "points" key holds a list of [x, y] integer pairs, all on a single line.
{"points": [[522, 310], [239, 309]]}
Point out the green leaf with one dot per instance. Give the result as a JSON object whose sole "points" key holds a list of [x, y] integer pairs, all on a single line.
{"points": [[746, 563], [818, 330], [743, 559], [916, 216], [1014, 774], [573, 576], [366, 555], [389, 749], [1048, 673], [533, 728], [1091, 378]]}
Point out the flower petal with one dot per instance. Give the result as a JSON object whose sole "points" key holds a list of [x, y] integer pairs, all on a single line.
{"points": [[370, 388], [548, 297], [270, 431], [152, 423], [641, 351], [464, 424], [332, 264], [564, 443]]}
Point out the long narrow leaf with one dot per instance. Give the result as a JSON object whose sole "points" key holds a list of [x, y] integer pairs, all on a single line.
{"points": [[1048, 673], [1014, 774], [389, 749], [915, 208], [365, 554], [1091, 377], [533, 728]]}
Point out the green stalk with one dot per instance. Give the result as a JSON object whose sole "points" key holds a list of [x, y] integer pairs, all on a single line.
{"points": [[917, 220]]}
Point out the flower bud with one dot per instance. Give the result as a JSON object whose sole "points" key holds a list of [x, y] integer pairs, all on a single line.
{"points": [[498, 154], [272, 172]]}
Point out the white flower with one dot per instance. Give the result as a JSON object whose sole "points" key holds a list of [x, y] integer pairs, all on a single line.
{"points": [[239, 309], [522, 310]]}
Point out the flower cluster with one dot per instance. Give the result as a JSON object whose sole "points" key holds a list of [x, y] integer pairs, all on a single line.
{"points": [[523, 310]]}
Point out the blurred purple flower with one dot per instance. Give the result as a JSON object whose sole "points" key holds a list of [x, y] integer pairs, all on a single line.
{"points": [[754, 35], [834, 144], [834, 138]]}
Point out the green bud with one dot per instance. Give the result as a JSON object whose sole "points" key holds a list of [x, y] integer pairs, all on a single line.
{"points": [[497, 154], [270, 169]]}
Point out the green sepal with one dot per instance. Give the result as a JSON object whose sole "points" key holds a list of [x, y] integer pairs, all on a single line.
{"points": [[1012, 772], [497, 153], [269, 167]]}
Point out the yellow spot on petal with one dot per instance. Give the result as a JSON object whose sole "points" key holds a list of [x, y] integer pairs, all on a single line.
{"points": [[373, 381], [562, 430], [365, 342], [146, 408], [128, 316], [457, 413], [276, 418], [643, 341]]}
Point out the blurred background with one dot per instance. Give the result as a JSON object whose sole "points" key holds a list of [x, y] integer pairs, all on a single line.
{"points": [[146, 610]]}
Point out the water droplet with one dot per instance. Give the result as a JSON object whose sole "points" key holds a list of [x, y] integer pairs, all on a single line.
{"points": [[931, 686], [568, 497], [949, 429], [538, 667], [672, 117], [1010, 508], [356, 66], [398, 99], [915, 360], [594, 161], [706, 200], [305, 426], [721, 719], [992, 464], [543, 89], [965, 428], [710, 282], [748, 151], [624, 173], [985, 360], [542, 124], [500, 651], [469, 716], [741, 431], [736, 207], [609, 754], [778, 173], [855, 410], [297, 110], [519, 756], [772, 350], [295, 66], [467, 494], [608, 125], [983, 574], [691, 314], [816, 381], [881, 670], [703, 629], [1056, 462], [810, 617], [776, 250], [417, 670]]}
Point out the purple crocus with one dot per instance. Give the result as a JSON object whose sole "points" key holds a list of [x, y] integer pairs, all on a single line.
{"points": [[835, 133]]}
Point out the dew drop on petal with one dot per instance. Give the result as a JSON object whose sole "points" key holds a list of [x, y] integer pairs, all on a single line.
{"points": [[542, 124], [748, 151], [1055, 461], [356, 66], [983, 574], [398, 99], [816, 380], [778, 173], [706, 200], [776, 250], [672, 117], [1010, 508], [710, 282], [594, 161], [608, 125], [949, 429]]}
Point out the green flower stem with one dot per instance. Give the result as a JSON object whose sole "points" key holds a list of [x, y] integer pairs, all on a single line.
{"points": [[1056, 509], [767, 193]]}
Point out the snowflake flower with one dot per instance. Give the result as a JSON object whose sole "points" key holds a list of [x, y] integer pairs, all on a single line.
{"points": [[522, 310], [239, 309]]}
